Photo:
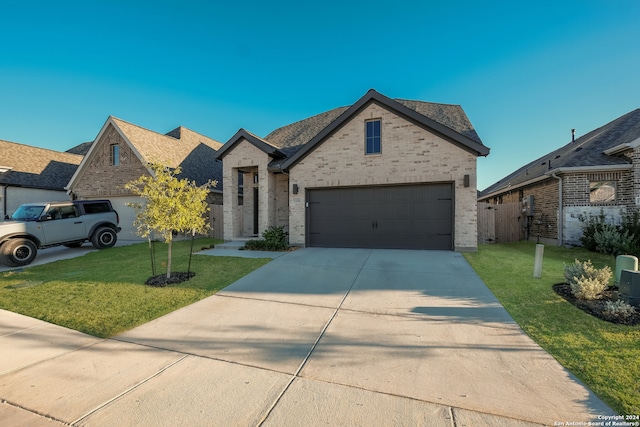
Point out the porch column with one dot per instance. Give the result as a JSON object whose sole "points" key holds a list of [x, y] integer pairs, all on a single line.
{"points": [[230, 197], [267, 200]]}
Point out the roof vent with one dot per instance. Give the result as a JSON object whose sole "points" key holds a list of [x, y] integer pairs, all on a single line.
{"points": [[573, 135]]}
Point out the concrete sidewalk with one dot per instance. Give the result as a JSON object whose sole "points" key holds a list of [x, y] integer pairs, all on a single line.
{"points": [[315, 337]]}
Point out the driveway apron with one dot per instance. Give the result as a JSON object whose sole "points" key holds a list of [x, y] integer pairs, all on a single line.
{"points": [[315, 337]]}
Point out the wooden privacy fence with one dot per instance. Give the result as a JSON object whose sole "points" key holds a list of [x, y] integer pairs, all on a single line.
{"points": [[216, 221], [500, 223]]}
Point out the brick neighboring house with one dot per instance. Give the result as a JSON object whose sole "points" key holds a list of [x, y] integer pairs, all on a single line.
{"points": [[598, 172], [121, 153], [31, 174], [381, 173]]}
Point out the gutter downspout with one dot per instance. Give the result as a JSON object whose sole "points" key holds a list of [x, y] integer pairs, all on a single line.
{"points": [[560, 211]]}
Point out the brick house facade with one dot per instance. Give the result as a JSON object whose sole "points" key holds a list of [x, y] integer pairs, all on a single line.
{"points": [[327, 152], [121, 153], [594, 174]]}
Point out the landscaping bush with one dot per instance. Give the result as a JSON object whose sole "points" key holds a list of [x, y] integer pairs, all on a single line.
{"points": [[273, 239], [610, 239], [586, 281], [591, 224], [620, 309], [601, 235]]}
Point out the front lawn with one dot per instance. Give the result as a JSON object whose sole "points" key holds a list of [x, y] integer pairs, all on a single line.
{"points": [[605, 356], [103, 293]]}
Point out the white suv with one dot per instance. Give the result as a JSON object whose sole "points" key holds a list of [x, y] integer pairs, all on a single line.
{"points": [[42, 225]]}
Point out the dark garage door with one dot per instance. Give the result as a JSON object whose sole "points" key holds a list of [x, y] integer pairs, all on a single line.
{"points": [[397, 217]]}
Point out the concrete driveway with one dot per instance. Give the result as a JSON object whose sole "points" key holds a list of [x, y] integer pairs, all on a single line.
{"points": [[315, 337]]}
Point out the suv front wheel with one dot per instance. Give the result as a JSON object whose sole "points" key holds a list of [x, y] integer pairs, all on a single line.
{"points": [[18, 252], [104, 237]]}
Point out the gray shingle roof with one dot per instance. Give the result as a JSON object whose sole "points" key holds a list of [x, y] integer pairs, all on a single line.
{"points": [[81, 149], [301, 132], [34, 167], [193, 152], [451, 116], [296, 139], [586, 151]]}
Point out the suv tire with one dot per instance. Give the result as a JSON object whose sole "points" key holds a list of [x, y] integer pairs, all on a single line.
{"points": [[18, 252], [104, 237]]}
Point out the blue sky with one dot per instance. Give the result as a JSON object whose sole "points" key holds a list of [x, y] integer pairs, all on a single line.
{"points": [[526, 73]]}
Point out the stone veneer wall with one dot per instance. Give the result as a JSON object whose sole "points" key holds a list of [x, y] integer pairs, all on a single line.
{"points": [[410, 154]]}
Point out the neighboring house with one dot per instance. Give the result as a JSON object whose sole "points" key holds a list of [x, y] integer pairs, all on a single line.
{"points": [[598, 172], [381, 173], [122, 152], [31, 174]]}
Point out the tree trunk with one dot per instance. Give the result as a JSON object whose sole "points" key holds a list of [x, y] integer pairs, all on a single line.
{"points": [[169, 258]]}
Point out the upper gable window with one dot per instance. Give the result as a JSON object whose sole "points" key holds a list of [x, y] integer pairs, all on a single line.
{"points": [[115, 155], [373, 143], [602, 191]]}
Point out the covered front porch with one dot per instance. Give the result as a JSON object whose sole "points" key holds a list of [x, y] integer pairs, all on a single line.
{"points": [[256, 200]]}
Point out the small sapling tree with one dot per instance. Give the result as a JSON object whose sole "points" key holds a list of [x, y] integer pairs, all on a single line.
{"points": [[171, 205]]}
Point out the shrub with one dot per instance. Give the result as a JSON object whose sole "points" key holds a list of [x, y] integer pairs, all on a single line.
{"points": [[631, 225], [273, 239], [611, 240], [586, 281], [256, 245], [590, 226], [601, 235], [620, 309], [588, 288], [276, 237]]}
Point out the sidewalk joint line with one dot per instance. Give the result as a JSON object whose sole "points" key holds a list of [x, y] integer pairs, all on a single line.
{"points": [[453, 417], [31, 411], [130, 389], [313, 347]]}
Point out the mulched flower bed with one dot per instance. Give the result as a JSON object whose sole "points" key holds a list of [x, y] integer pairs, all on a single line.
{"points": [[161, 280], [596, 307]]}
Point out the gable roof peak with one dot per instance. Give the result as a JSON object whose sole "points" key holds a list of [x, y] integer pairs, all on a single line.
{"points": [[446, 120]]}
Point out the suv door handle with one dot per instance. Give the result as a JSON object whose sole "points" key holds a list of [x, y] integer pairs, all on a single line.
{"points": [[77, 222]]}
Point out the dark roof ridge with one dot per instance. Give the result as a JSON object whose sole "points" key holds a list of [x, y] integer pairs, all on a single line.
{"points": [[471, 144], [258, 142], [427, 102]]}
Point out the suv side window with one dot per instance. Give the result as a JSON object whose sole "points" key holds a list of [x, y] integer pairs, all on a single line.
{"points": [[63, 212], [98, 207], [55, 213]]}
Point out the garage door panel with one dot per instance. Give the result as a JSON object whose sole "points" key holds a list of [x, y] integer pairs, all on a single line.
{"points": [[411, 216]]}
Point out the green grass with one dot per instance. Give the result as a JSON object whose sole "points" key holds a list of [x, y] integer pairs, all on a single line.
{"points": [[103, 293], [605, 356]]}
